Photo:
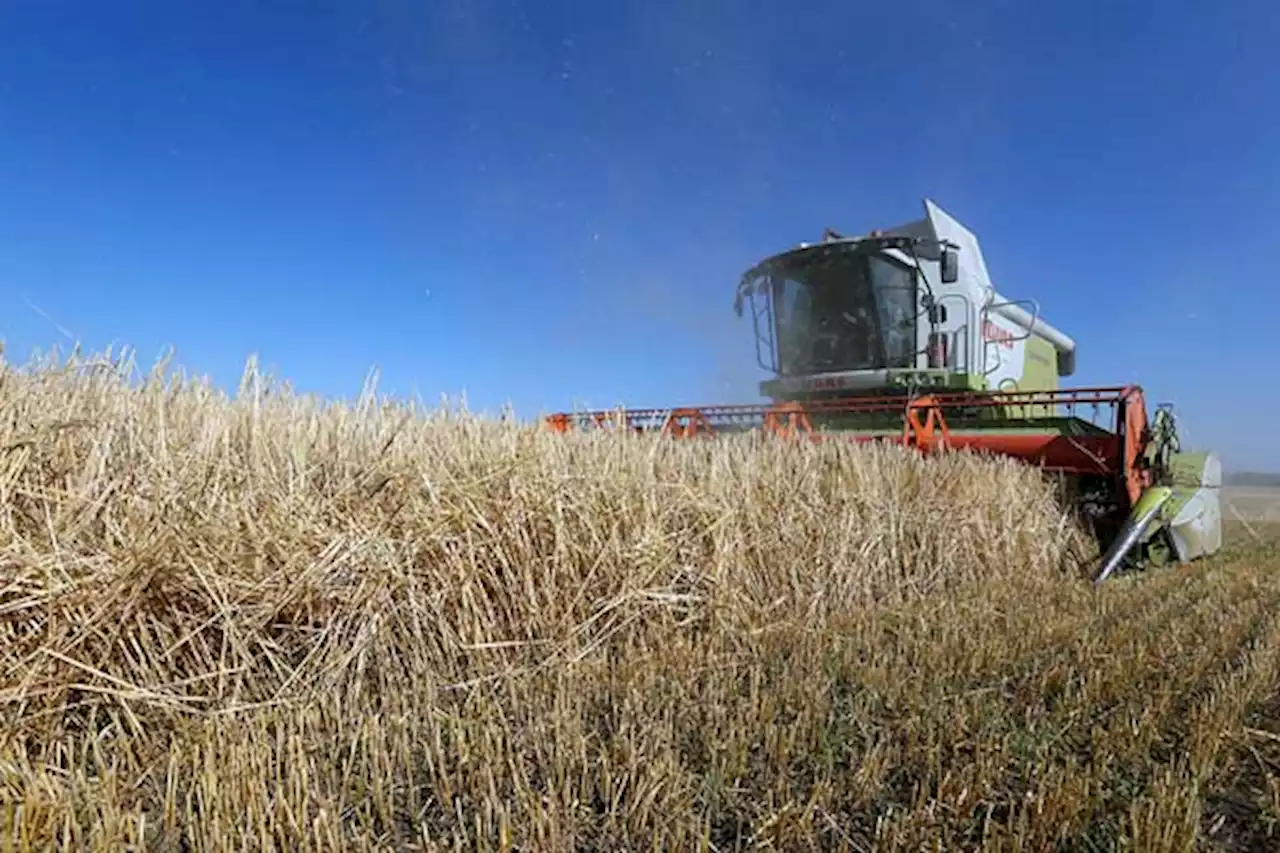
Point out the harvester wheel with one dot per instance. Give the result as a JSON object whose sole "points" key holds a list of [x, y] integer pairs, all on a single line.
{"points": [[1160, 552]]}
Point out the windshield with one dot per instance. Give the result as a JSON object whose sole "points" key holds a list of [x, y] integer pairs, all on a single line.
{"points": [[842, 310]]}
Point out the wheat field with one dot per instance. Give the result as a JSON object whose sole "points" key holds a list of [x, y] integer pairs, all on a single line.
{"points": [[270, 622]]}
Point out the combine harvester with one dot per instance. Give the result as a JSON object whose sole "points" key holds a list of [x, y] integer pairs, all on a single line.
{"points": [[900, 336]]}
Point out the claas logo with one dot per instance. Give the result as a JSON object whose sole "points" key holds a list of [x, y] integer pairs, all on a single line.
{"points": [[997, 334]]}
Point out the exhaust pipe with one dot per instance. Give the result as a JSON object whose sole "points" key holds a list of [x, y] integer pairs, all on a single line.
{"points": [[1134, 530]]}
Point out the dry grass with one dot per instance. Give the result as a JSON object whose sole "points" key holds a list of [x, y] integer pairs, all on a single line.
{"points": [[266, 623]]}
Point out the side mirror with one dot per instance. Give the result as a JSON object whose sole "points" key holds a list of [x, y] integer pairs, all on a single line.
{"points": [[950, 265]]}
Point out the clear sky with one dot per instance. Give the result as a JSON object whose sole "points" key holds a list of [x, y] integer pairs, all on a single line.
{"points": [[550, 203]]}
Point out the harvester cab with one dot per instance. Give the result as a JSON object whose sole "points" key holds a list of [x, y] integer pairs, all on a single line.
{"points": [[899, 336], [902, 310]]}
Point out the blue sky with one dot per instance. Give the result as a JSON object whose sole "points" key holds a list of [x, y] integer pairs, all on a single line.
{"points": [[550, 203]]}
